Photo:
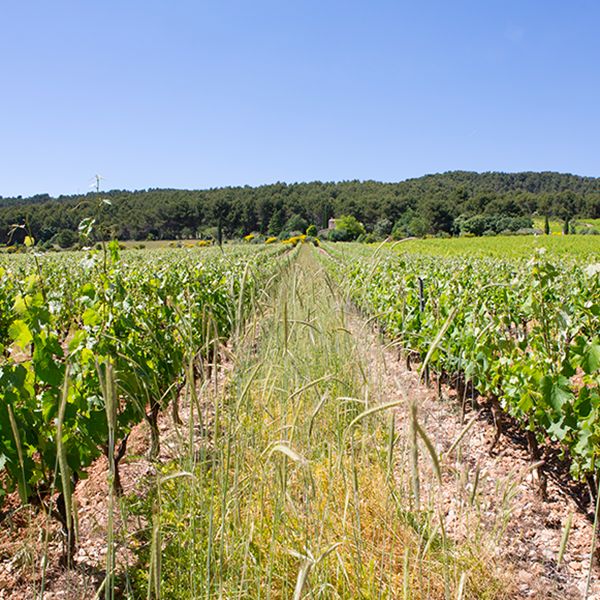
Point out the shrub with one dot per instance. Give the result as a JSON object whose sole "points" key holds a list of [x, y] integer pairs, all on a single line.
{"points": [[410, 225], [311, 231], [296, 223], [66, 238], [347, 228], [368, 238], [480, 224], [383, 227]]}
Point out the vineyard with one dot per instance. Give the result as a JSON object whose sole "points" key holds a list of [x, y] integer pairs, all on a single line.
{"points": [[302, 468], [92, 345], [522, 333]]}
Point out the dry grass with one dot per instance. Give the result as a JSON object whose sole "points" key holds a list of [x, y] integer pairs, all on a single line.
{"points": [[296, 493]]}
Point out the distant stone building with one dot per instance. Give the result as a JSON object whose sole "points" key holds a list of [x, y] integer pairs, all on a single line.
{"points": [[331, 223]]}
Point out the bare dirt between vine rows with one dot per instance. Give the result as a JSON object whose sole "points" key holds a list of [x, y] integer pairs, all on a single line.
{"points": [[525, 531], [23, 530]]}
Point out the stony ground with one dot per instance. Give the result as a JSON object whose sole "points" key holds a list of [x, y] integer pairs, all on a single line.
{"points": [[24, 544], [495, 493], [490, 494]]}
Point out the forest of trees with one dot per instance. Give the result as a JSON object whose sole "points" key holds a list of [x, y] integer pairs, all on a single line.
{"points": [[445, 204]]}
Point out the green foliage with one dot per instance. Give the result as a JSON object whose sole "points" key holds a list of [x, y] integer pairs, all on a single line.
{"points": [[494, 224], [276, 222], [296, 223], [410, 224], [311, 231], [525, 332], [580, 249], [383, 227], [66, 238], [63, 321], [433, 203], [347, 228]]}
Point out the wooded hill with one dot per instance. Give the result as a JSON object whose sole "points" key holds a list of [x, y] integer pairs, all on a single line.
{"points": [[434, 204]]}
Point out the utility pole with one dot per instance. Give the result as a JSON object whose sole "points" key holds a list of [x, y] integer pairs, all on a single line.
{"points": [[98, 179]]}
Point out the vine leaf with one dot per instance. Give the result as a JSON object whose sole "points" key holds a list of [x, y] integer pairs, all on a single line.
{"points": [[591, 359], [20, 333], [555, 393]]}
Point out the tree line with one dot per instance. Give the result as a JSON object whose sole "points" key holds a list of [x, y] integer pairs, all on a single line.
{"points": [[444, 204]]}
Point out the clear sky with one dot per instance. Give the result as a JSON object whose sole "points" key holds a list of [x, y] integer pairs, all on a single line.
{"points": [[195, 94]]}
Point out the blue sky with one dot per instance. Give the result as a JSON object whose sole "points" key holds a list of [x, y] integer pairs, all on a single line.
{"points": [[195, 94]]}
